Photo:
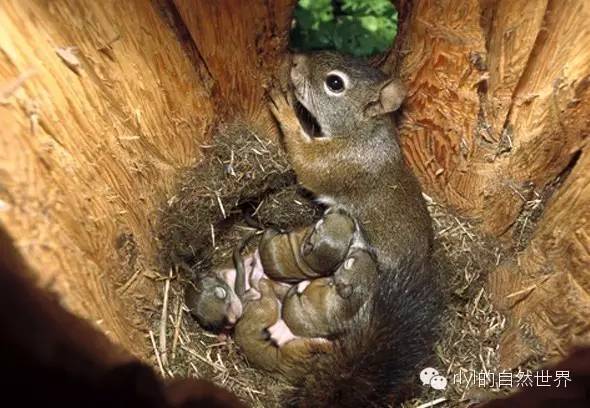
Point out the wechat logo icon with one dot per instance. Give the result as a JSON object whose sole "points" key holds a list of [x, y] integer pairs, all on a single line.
{"points": [[430, 376]]}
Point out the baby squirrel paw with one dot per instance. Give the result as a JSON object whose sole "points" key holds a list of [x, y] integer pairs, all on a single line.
{"points": [[280, 334], [282, 109], [252, 295]]}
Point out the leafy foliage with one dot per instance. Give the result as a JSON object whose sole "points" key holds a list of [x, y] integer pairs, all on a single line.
{"points": [[358, 27]]}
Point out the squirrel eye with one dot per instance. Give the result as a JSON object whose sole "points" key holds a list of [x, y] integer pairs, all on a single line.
{"points": [[335, 83], [220, 293]]}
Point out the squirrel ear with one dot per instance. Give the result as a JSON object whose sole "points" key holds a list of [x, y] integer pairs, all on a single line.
{"points": [[390, 98]]}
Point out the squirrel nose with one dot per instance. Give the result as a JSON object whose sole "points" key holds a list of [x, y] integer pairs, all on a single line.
{"points": [[231, 319]]}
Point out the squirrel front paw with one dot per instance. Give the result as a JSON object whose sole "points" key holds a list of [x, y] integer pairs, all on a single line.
{"points": [[282, 109]]}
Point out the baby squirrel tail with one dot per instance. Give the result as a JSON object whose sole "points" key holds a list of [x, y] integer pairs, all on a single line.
{"points": [[383, 348]]}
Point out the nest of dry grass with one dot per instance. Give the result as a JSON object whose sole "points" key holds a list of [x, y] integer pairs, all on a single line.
{"points": [[471, 326], [242, 175], [192, 352], [201, 223]]}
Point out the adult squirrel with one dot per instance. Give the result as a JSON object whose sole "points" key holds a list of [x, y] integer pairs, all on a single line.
{"points": [[343, 146]]}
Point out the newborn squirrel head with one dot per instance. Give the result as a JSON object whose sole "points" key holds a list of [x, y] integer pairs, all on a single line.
{"points": [[213, 303], [340, 96]]}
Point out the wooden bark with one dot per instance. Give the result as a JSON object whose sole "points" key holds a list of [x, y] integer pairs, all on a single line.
{"points": [[492, 85], [242, 44], [496, 124], [548, 291], [85, 158]]}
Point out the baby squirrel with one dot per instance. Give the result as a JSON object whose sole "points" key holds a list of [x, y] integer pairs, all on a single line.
{"points": [[277, 337], [320, 307], [252, 337], [216, 300], [332, 271], [307, 253], [342, 143]]}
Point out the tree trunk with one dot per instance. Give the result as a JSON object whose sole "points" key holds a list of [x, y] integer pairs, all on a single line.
{"points": [[496, 126], [86, 157], [241, 44]]}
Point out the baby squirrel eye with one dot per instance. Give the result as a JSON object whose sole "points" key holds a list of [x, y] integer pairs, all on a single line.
{"points": [[335, 83], [220, 293]]}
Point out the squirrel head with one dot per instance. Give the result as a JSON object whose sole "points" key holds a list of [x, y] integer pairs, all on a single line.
{"points": [[213, 303], [338, 94]]}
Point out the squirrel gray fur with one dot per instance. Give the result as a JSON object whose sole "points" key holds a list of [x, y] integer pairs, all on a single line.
{"points": [[340, 138]]}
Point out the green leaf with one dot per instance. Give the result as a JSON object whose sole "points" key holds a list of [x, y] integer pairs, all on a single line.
{"points": [[366, 26]]}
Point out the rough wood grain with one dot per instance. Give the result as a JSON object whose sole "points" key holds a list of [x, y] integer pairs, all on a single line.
{"points": [[490, 86], [548, 121], [495, 120], [440, 115], [547, 291], [242, 44], [86, 156], [511, 34]]}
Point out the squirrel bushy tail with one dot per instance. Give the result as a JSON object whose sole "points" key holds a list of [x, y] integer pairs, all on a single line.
{"points": [[382, 348]]}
